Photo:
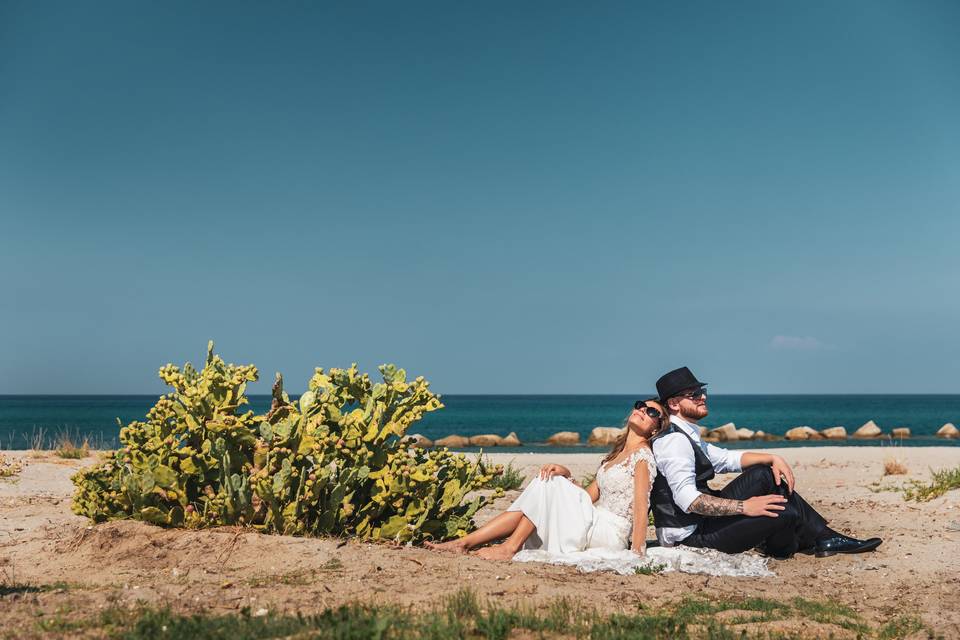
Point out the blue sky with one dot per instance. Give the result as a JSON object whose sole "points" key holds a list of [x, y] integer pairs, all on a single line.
{"points": [[503, 197]]}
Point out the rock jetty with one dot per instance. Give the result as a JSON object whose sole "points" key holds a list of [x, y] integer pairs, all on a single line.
{"points": [[511, 440], [418, 440], [485, 440], [803, 433], [834, 433], [725, 433], [603, 436], [869, 430], [454, 442], [948, 431], [564, 438]]}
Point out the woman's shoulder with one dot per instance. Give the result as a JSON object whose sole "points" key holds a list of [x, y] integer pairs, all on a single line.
{"points": [[643, 455]]}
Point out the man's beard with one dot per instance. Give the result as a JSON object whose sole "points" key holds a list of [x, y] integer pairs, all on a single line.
{"points": [[697, 412]]}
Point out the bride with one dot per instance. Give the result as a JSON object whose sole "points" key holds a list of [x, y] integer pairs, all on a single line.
{"points": [[555, 515]]}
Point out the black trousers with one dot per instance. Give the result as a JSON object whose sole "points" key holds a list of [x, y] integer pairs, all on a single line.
{"points": [[797, 527]]}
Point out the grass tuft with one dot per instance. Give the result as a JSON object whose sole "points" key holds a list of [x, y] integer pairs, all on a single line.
{"points": [[509, 480], [829, 612], [900, 628], [66, 447], [942, 481], [893, 467], [651, 570], [38, 442]]}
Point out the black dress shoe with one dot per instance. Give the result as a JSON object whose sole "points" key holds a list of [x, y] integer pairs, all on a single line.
{"points": [[839, 543]]}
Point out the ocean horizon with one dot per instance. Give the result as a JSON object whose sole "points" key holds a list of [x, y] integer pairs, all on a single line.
{"points": [[533, 417]]}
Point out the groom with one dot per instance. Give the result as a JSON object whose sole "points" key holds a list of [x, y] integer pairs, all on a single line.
{"points": [[757, 509]]}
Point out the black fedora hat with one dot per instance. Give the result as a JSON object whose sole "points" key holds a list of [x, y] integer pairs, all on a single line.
{"points": [[673, 382]]}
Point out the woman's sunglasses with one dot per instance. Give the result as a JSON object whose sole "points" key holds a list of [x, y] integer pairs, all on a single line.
{"points": [[653, 412]]}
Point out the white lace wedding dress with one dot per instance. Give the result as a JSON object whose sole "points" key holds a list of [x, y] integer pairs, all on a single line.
{"points": [[572, 530]]}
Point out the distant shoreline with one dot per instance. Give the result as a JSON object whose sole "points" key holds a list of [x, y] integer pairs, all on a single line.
{"points": [[781, 447], [38, 421]]}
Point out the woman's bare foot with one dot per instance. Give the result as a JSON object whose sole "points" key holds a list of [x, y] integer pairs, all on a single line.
{"points": [[496, 552], [453, 546]]}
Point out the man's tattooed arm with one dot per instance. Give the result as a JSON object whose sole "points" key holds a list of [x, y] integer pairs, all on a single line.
{"points": [[707, 505]]}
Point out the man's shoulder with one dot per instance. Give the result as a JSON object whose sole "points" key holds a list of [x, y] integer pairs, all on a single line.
{"points": [[669, 439]]}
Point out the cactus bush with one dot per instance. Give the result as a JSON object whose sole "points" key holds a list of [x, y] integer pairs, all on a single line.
{"points": [[330, 463]]}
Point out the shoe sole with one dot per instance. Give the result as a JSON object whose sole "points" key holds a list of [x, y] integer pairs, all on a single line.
{"points": [[831, 552]]}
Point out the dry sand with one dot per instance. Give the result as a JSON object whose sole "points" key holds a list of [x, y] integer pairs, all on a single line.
{"points": [[915, 572]]}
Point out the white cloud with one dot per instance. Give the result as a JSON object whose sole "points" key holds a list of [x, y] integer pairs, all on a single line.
{"points": [[796, 343]]}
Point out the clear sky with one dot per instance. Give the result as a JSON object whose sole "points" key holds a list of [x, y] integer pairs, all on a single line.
{"points": [[507, 197]]}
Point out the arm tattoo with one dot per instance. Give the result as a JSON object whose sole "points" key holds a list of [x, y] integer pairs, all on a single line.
{"points": [[707, 505]]}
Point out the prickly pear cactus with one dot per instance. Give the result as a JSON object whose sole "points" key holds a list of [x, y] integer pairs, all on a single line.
{"points": [[330, 463]]}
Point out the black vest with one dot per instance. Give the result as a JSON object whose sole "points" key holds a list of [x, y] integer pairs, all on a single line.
{"points": [[666, 513]]}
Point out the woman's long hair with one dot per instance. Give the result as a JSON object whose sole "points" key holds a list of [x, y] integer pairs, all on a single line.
{"points": [[622, 438]]}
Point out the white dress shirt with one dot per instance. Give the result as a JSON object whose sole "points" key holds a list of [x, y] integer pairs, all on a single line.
{"points": [[675, 460]]}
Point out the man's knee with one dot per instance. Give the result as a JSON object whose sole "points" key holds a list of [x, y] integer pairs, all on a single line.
{"points": [[790, 515], [760, 475]]}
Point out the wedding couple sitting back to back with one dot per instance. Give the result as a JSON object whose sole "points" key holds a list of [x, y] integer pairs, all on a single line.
{"points": [[660, 463]]}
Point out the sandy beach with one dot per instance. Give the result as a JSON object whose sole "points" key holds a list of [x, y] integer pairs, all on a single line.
{"points": [[915, 572]]}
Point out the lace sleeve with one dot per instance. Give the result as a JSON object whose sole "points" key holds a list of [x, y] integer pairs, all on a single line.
{"points": [[647, 456]]}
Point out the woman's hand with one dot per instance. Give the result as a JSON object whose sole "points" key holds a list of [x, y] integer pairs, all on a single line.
{"points": [[639, 549], [550, 469]]}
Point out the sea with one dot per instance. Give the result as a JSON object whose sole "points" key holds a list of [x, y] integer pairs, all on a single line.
{"points": [[28, 419]]}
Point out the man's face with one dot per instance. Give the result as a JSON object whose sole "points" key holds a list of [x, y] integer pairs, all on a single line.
{"points": [[692, 404]]}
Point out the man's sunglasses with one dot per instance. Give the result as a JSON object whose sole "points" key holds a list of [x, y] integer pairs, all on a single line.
{"points": [[694, 393], [653, 412]]}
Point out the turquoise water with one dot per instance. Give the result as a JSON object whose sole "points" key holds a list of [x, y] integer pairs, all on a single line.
{"points": [[532, 417]]}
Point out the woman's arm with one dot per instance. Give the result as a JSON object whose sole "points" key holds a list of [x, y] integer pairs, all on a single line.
{"points": [[641, 506], [593, 490]]}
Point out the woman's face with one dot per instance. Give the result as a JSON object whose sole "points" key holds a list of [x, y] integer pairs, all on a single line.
{"points": [[645, 424]]}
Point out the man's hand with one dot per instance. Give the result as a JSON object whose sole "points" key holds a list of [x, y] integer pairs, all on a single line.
{"points": [[780, 469], [769, 506]]}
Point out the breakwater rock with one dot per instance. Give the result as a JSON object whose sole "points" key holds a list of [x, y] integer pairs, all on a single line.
{"points": [[868, 430], [603, 436], [564, 438]]}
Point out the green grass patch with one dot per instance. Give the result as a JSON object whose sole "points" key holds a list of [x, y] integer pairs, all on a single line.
{"points": [[464, 615], [299, 577], [509, 480], [941, 482], [651, 570], [900, 628], [11, 588], [829, 612], [876, 487]]}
